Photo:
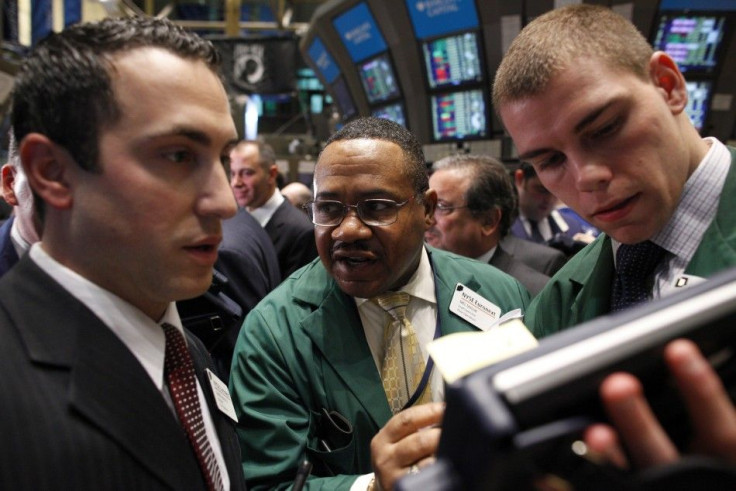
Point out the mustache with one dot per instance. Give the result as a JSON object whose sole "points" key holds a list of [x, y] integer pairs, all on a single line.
{"points": [[350, 247]]}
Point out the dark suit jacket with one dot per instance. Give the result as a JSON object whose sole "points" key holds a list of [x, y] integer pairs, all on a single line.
{"points": [[8, 256], [248, 259], [532, 279], [78, 409], [544, 259], [574, 227], [292, 235]]}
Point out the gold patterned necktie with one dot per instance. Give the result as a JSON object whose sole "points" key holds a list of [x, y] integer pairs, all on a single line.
{"points": [[403, 364]]}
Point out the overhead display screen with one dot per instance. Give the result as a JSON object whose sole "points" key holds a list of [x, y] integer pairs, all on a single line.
{"points": [[343, 98], [693, 41], [378, 79], [698, 102], [394, 112], [432, 18], [459, 115], [452, 60], [322, 59], [359, 32]]}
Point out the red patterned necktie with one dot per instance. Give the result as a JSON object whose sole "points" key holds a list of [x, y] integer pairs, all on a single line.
{"points": [[179, 370]]}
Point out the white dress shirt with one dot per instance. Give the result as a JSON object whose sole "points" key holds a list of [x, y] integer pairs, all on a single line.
{"points": [[264, 212]]}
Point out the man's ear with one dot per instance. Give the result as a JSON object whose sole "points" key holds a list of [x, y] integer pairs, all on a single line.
{"points": [[8, 177], [667, 77], [491, 221], [47, 168], [429, 201], [519, 178]]}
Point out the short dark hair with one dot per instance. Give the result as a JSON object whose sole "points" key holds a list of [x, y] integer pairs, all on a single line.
{"points": [[266, 153], [383, 129], [490, 187], [64, 88]]}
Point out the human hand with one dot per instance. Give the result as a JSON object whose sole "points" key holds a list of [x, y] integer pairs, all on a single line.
{"points": [[409, 439], [712, 414]]}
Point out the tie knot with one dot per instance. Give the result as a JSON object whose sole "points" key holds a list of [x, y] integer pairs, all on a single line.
{"points": [[394, 303], [638, 259]]}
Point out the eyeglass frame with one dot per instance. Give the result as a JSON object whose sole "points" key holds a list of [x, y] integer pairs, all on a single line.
{"points": [[345, 208]]}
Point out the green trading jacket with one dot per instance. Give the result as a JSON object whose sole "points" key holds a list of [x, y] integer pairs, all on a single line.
{"points": [[303, 349], [581, 290]]}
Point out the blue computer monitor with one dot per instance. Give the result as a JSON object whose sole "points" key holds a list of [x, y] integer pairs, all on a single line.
{"points": [[459, 115], [436, 18], [359, 32]]}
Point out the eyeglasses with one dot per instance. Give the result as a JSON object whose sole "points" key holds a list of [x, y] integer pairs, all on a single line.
{"points": [[372, 212], [441, 209]]}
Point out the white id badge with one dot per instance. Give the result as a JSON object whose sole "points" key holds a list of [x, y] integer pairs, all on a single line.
{"points": [[475, 309], [222, 395]]}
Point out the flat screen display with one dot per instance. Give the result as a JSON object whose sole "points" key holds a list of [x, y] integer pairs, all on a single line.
{"points": [[378, 79], [394, 112], [343, 98], [458, 115], [359, 32], [693, 41], [452, 60], [323, 60], [698, 102], [432, 18]]}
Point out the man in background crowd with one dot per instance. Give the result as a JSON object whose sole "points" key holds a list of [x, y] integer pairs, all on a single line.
{"points": [[253, 173], [475, 205]]}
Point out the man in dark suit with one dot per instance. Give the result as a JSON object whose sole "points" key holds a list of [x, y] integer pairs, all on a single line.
{"points": [[253, 175], [539, 220], [21, 230], [475, 206], [248, 260], [546, 260], [126, 164]]}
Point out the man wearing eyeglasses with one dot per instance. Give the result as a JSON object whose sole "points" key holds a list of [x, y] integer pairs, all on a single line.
{"points": [[476, 203], [307, 375]]}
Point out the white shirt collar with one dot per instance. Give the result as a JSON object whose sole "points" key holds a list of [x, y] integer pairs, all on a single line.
{"points": [[264, 212], [140, 334]]}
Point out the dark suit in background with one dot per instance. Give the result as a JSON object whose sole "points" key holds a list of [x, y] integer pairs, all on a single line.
{"points": [[292, 235], [544, 259], [532, 279], [8, 256], [78, 409], [248, 259]]}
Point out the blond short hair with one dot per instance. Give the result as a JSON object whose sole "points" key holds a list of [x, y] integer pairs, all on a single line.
{"points": [[556, 39]]}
